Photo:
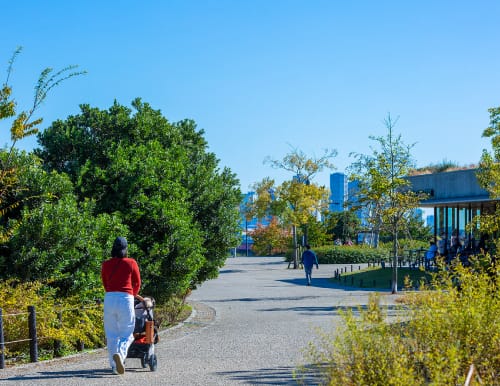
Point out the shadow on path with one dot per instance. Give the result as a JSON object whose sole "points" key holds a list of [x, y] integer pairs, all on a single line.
{"points": [[55, 375], [322, 282], [274, 376], [59, 376], [280, 299], [335, 310]]}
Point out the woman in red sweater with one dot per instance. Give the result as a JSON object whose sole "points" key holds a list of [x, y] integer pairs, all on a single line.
{"points": [[121, 279]]}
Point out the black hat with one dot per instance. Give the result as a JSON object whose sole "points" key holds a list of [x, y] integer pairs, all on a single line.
{"points": [[119, 247]]}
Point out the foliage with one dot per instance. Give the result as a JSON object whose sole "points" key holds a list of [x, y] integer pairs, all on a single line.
{"points": [[438, 334], [405, 245], [344, 225], [302, 166], [416, 229], [77, 324], [57, 239], [297, 200], [159, 179], [23, 125], [384, 188], [315, 232], [489, 175], [349, 254], [172, 311], [271, 239], [64, 243], [443, 166]]}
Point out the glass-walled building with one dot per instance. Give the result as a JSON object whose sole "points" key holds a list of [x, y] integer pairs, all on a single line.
{"points": [[457, 199], [338, 192]]}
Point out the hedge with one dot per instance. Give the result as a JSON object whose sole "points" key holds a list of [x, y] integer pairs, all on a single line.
{"points": [[348, 254]]}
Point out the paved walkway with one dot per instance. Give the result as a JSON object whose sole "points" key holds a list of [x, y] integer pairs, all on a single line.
{"points": [[250, 327]]}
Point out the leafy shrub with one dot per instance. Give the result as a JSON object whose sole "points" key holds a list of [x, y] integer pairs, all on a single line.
{"points": [[63, 243], [65, 321], [440, 332], [405, 245], [346, 254], [173, 311], [349, 254], [270, 240]]}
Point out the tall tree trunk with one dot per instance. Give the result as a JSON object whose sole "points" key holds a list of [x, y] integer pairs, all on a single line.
{"points": [[295, 247], [394, 283]]}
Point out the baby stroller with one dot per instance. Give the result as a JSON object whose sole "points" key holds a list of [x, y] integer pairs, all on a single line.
{"points": [[145, 334]]}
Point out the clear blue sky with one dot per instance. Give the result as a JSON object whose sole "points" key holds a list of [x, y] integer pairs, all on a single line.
{"points": [[263, 76]]}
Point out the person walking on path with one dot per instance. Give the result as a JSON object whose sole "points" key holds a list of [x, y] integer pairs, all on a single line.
{"points": [[122, 280], [308, 260]]}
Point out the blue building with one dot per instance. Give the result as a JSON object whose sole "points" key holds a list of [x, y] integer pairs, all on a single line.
{"points": [[429, 221], [338, 192]]}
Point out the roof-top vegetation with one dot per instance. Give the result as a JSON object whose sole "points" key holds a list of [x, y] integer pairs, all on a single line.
{"points": [[443, 166]]}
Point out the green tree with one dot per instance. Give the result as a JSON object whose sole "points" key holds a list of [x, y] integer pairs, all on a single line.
{"points": [[56, 239], [316, 231], [180, 208], [489, 175], [23, 125], [384, 189], [296, 200], [344, 225], [416, 229], [271, 239]]}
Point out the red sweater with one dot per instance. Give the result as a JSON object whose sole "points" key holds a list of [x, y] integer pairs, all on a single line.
{"points": [[121, 275]]}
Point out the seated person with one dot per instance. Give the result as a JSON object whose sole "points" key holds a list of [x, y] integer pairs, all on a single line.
{"points": [[456, 246], [441, 245], [430, 254]]}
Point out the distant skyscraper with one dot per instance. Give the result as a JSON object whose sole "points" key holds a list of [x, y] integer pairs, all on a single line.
{"points": [[419, 214], [352, 192], [338, 189], [429, 220]]}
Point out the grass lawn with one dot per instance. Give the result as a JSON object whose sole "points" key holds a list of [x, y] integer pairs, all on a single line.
{"points": [[377, 277]]}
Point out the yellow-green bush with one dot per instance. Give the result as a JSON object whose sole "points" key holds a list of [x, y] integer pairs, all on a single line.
{"points": [[63, 320], [441, 331], [173, 310]]}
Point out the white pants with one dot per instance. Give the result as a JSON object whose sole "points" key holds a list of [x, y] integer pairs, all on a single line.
{"points": [[119, 323]]}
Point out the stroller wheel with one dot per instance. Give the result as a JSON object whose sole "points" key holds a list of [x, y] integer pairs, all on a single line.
{"points": [[153, 362], [144, 362]]}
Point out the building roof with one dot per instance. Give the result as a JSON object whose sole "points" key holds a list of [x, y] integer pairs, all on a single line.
{"points": [[450, 188]]}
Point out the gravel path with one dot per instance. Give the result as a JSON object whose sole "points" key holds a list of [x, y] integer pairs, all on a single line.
{"points": [[250, 327]]}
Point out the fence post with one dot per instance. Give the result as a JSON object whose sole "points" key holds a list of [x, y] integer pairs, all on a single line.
{"points": [[57, 342], [80, 346], [32, 334], [2, 342]]}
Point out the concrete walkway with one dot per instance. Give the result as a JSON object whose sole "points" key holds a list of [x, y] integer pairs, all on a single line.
{"points": [[250, 327]]}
